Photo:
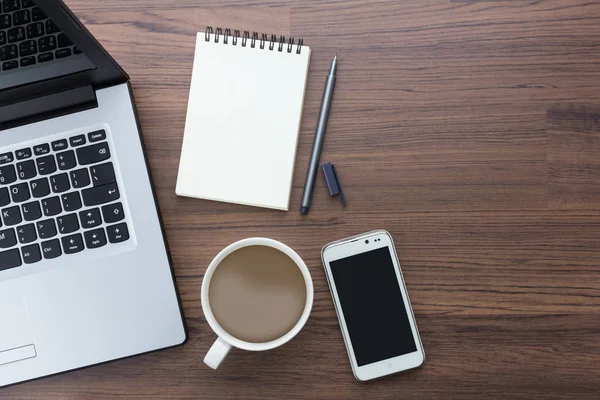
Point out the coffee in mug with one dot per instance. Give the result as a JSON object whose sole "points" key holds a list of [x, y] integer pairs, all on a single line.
{"points": [[257, 294]]}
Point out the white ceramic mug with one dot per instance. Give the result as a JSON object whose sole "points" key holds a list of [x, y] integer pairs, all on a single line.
{"points": [[225, 341]]}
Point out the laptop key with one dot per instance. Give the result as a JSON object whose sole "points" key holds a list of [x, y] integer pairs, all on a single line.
{"points": [[102, 174], [59, 145], [22, 17], [60, 183], [32, 211], [46, 165], [47, 43], [63, 40], [46, 229], [95, 238], [31, 253], [117, 233], [8, 65], [90, 218], [51, 206], [71, 201], [8, 238], [40, 188], [27, 3], [113, 213], [72, 244], [10, 259], [67, 223], [35, 30], [27, 48], [5, 21], [66, 160], [6, 158], [37, 14], [7, 175], [93, 154], [62, 53], [4, 197], [100, 195], [11, 216], [15, 34], [27, 61], [78, 140], [8, 53], [97, 136], [26, 234], [2, 34], [26, 170], [11, 5], [41, 149], [51, 27], [23, 153], [20, 192], [80, 178], [51, 249], [45, 57]]}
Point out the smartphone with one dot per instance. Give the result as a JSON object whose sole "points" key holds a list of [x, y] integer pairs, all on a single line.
{"points": [[372, 305]]}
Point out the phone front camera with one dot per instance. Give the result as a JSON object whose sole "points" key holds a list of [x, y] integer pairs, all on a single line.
{"points": [[366, 241]]}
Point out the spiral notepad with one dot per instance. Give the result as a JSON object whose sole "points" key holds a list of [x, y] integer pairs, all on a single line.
{"points": [[243, 118]]}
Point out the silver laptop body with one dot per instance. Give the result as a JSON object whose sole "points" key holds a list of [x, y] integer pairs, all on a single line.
{"points": [[93, 281]]}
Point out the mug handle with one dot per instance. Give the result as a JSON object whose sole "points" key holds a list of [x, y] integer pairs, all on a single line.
{"points": [[217, 353]]}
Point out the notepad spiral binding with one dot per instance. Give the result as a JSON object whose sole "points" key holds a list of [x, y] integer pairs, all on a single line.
{"points": [[245, 37]]}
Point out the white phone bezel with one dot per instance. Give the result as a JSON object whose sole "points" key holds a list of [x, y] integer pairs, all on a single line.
{"points": [[357, 245]]}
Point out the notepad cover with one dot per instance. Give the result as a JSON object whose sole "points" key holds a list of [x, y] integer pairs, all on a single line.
{"points": [[242, 125]]}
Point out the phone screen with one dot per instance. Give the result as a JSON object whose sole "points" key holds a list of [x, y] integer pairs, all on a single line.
{"points": [[373, 308]]}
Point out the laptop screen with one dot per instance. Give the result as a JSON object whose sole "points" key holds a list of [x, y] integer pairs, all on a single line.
{"points": [[33, 48]]}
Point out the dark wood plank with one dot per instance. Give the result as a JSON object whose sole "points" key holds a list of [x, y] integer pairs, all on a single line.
{"points": [[468, 129], [574, 156]]}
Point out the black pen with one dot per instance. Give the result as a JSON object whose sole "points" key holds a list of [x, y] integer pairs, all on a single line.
{"points": [[315, 156]]}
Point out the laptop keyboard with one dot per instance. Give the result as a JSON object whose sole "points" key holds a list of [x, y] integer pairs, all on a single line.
{"points": [[58, 199], [29, 37]]}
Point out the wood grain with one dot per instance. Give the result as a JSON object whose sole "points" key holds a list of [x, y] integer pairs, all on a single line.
{"points": [[468, 129]]}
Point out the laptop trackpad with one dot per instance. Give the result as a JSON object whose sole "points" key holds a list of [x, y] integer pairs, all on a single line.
{"points": [[16, 338]]}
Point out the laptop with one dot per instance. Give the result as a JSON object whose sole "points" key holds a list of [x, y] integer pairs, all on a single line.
{"points": [[85, 275]]}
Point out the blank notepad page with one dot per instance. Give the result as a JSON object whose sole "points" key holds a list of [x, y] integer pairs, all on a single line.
{"points": [[243, 121]]}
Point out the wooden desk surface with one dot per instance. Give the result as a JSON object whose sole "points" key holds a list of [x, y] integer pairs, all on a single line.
{"points": [[468, 129]]}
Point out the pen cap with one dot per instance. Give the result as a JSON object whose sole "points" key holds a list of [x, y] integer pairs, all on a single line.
{"points": [[333, 181]]}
